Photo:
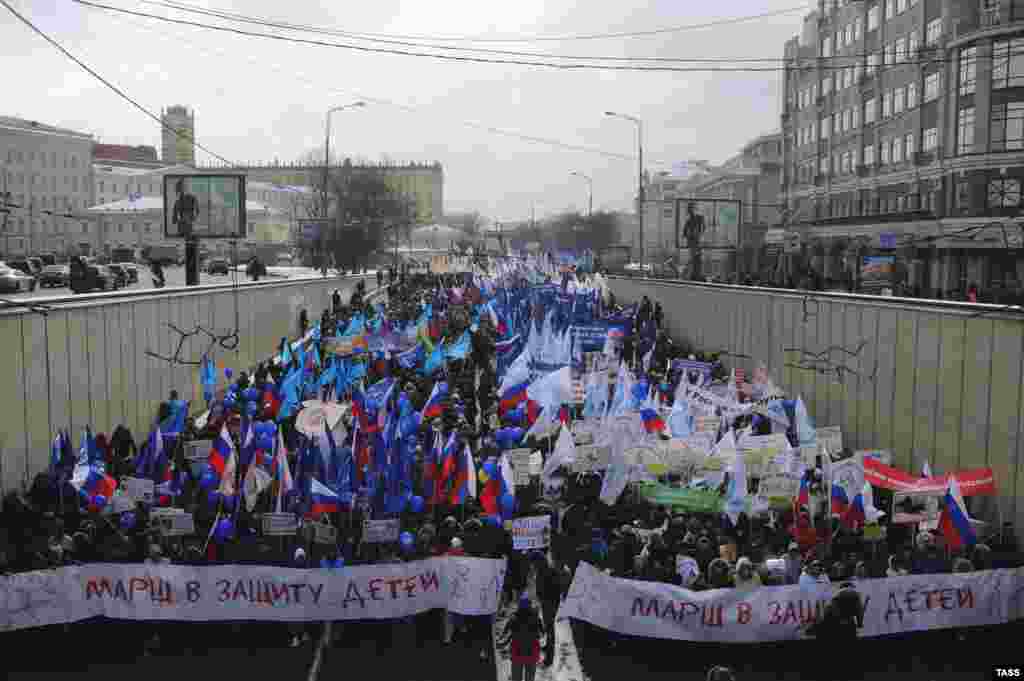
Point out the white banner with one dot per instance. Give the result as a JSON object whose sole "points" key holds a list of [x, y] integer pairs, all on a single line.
{"points": [[531, 533], [892, 606], [469, 586]]}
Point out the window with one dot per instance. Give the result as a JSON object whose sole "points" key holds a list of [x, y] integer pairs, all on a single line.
{"points": [[825, 125], [1003, 193], [899, 101], [911, 95], [913, 42], [968, 70], [837, 123], [930, 139], [826, 47], [889, 54], [1008, 63], [53, 159], [848, 35], [855, 117], [74, 183], [890, 5], [900, 51], [887, 104], [908, 144], [120, 227], [933, 31], [874, 60], [858, 28], [113, 188], [965, 130], [901, 6], [74, 161], [823, 166], [101, 186], [858, 71], [884, 159], [873, 17], [147, 228], [845, 162], [931, 87], [846, 120], [1008, 126], [826, 86]]}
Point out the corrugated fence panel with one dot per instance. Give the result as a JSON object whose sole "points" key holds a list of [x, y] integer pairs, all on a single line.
{"points": [[57, 343], [1003, 410], [12, 421], [848, 399], [37, 416], [903, 398], [929, 346], [868, 380], [950, 395], [78, 366], [888, 335], [976, 394]]}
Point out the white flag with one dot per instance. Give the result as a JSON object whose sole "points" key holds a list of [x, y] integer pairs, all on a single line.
{"points": [[256, 480], [563, 455]]}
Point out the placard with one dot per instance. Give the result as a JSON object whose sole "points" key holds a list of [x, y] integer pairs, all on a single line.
{"points": [[531, 533], [882, 455], [689, 365], [520, 460], [809, 454], [830, 439], [384, 531], [176, 525], [707, 424], [280, 524], [138, 489], [336, 345], [760, 450], [577, 391], [591, 458], [779, 490], [198, 451]]}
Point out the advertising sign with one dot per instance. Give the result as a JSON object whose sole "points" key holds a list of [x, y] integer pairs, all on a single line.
{"points": [[876, 271], [204, 206]]}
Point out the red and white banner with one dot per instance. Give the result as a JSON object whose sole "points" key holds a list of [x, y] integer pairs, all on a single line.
{"points": [[974, 482]]}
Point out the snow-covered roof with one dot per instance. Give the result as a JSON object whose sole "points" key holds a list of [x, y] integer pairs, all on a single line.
{"points": [[156, 204]]}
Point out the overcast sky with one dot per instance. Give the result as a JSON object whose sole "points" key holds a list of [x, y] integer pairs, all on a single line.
{"points": [[257, 99]]}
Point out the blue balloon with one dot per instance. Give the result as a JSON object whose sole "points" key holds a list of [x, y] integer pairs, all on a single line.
{"points": [[251, 408], [99, 501], [271, 428], [127, 520], [230, 401], [406, 541], [228, 373], [492, 520], [251, 394], [416, 504], [266, 443], [225, 528], [345, 499], [508, 505], [229, 503], [207, 480], [214, 497]]}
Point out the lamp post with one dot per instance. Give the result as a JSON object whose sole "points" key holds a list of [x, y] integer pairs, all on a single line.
{"points": [[590, 193], [327, 150], [640, 176]]}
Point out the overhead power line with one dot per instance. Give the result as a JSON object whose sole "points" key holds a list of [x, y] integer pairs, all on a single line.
{"points": [[305, 28], [543, 38], [328, 89], [121, 93], [442, 57]]}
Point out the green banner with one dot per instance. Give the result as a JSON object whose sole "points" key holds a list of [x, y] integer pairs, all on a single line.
{"points": [[691, 500]]}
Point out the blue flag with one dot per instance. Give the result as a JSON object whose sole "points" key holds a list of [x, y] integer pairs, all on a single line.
{"points": [[460, 349], [434, 361]]}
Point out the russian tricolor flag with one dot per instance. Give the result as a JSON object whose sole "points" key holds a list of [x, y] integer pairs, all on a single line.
{"points": [[464, 484], [449, 461], [954, 521], [282, 473], [653, 423], [432, 409], [490, 488], [839, 500], [803, 497], [854, 516], [431, 474], [94, 482], [323, 500], [221, 451], [513, 396]]}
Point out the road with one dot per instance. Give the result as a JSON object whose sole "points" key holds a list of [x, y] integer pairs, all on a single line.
{"points": [[175, 276]]}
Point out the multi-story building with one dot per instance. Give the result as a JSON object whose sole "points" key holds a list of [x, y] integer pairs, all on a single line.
{"points": [[903, 126], [42, 168], [751, 179], [123, 153], [422, 183], [178, 147]]}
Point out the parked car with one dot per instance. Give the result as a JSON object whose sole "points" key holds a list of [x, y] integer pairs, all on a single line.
{"points": [[218, 266], [121, 277], [132, 270], [14, 281], [87, 276], [26, 266], [48, 258], [56, 276]]}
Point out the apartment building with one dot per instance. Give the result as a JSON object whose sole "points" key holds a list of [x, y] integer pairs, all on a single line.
{"points": [[903, 124]]}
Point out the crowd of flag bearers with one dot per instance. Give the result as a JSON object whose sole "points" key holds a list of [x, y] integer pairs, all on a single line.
{"points": [[408, 408]]}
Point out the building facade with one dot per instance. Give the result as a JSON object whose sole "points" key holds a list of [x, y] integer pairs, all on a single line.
{"points": [[123, 153], [422, 183], [178, 148], [747, 186], [42, 168], [904, 145]]}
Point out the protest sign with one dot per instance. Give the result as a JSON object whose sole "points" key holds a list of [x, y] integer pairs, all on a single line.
{"points": [[198, 451], [589, 337], [759, 450], [778, 490], [138, 489], [830, 440], [592, 458], [891, 606], [689, 500], [177, 525], [691, 367], [531, 533], [977, 481], [324, 534], [520, 460], [707, 424], [577, 391], [384, 531], [280, 524]]}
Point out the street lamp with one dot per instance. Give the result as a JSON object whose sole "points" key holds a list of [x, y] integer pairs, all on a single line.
{"points": [[327, 150], [590, 195], [640, 176]]}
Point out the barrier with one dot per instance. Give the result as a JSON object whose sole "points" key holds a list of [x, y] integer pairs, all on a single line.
{"points": [[926, 379], [468, 586], [83, 362]]}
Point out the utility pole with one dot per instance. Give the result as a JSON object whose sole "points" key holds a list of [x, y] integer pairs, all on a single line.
{"points": [[6, 195]]}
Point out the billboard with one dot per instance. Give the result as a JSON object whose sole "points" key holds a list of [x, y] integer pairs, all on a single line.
{"points": [[877, 271], [720, 217], [204, 206]]}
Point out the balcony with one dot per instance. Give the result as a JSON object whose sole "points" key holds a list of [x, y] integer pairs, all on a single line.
{"points": [[863, 170]]}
